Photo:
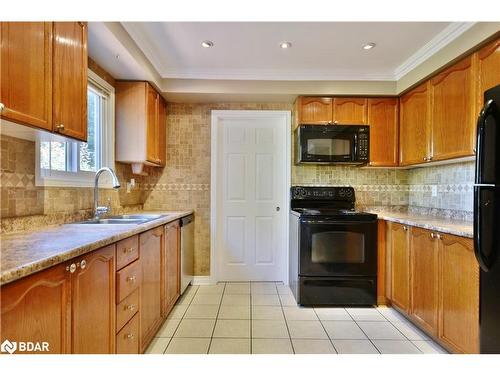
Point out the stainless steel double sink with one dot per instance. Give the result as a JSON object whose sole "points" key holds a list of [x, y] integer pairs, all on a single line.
{"points": [[124, 219]]}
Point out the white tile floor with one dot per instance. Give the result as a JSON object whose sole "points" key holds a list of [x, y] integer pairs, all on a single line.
{"points": [[263, 318]]}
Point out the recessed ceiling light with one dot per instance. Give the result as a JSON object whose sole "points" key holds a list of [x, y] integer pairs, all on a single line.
{"points": [[285, 45], [368, 46], [207, 44]]}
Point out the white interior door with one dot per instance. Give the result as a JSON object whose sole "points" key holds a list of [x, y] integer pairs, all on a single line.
{"points": [[251, 191]]}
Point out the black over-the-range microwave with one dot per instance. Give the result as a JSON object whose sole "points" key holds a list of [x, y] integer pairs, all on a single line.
{"points": [[332, 144]]}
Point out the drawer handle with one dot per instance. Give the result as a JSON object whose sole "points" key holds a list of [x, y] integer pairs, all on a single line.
{"points": [[132, 279], [129, 336], [129, 250], [405, 227], [60, 128], [83, 264], [433, 235], [438, 236], [130, 307], [71, 268]]}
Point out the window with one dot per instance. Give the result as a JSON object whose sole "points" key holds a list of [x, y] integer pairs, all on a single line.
{"points": [[64, 162]]}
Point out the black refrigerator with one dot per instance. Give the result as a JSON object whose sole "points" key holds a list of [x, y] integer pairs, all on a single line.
{"points": [[487, 219]]}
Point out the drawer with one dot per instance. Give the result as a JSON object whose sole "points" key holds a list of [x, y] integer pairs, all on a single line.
{"points": [[126, 309], [127, 251], [128, 279], [127, 340]]}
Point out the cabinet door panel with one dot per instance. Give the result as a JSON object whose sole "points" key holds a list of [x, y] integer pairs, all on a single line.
{"points": [[400, 265], [70, 79], [313, 110], [489, 68], [414, 126], [453, 94], [424, 278], [93, 301], [459, 294], [38, 308], [172, 266], [26, 73], [152, 125], [383, 121], [350, 111]]}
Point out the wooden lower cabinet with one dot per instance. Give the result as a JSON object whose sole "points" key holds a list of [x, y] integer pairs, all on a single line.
{"points": [[424, 278], [171, 266], [127, 339], [38, 308], [458, 294], [400, 266], [151, 258], [93, 303]]}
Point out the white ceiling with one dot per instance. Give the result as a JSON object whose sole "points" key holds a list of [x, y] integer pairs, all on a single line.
{"points": [[250, 50]]}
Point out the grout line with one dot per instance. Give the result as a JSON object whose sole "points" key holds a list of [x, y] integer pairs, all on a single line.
{"points": [[286, 322], [251, 324], [216, 318], [369, 339], [324, 329]]}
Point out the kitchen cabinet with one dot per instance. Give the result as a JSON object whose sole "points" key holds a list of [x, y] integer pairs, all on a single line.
{"points": [[488, 61], [424, 278], [141, 116], [400, 266], [93, 302], [151, 245], [383, 120], [70, 79], [37, 308], [350, 111], [458, 294], [314, 110], [414, 126], [453, 111], [171, 266], [43, 81], [127, 340]]}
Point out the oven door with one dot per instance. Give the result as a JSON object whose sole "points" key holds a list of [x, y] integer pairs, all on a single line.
{"points": [[338, 248], [333, 145]]}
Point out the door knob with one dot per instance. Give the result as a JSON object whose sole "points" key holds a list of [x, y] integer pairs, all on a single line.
{"points": [[278, 208]]}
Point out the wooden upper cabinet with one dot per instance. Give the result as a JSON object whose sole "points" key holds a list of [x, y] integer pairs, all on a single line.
{"points": [[70, 79], [93, 302], [350, 111], [414, 126], [314, 110], [453, 94], [383, 120], [400, 266], [458, 294], [26, 73], [171, 266], [38, 308], [162, 132], [488, 61], [152, 124], [424, 278]]}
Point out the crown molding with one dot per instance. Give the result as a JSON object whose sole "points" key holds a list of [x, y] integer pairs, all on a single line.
{"points": [[445, 37]]}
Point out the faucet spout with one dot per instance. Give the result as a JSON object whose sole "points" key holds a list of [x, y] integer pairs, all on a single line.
{"points": [[98, 211]]}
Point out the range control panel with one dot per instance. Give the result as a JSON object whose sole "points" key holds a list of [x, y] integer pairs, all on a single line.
{"points": [[334, 193]]}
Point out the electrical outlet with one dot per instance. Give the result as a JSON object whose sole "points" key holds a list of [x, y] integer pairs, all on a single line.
{"points": [[434, 190]]}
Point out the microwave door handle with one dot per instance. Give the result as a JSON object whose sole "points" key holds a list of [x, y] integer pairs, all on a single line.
{"points": [[355, 151], [481, 129]]}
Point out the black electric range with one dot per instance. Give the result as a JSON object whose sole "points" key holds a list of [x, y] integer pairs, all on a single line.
{"points": [[333, 248]]}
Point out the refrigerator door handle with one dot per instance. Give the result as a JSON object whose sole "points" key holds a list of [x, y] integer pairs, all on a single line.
{"points": [[481, 126], [483, 263]]}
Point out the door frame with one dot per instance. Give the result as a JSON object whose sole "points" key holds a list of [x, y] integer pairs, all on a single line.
{"points": [[218, 115]]}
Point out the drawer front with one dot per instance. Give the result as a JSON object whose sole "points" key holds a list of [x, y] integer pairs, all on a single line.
{"points": [[128, 279], [126, 309], [127, 340], [127, 251]]}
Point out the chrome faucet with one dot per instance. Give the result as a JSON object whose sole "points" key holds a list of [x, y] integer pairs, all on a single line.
{"points": [[98, 211]]}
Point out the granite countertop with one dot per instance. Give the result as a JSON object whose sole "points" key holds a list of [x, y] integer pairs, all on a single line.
{"points": [[438, 223], [24, 253]]}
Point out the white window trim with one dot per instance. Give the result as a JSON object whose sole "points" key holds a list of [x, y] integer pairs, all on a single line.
{"points": [[83, 179]]}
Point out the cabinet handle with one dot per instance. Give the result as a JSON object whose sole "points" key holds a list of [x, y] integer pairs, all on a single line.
{"points": [[425, 158], [83, 264], [129, 250], [429, 158], [71, 268], [438, 236], [405, 227], [433, 235], [129, 336], [130, 307], [60, 128], [2, 107], [335, 122], [132, 279]]}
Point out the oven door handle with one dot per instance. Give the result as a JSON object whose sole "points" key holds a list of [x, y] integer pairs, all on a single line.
{"points": [[324, 222]]}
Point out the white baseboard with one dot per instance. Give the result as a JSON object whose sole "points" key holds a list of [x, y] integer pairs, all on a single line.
{"points": [[202, 280]]}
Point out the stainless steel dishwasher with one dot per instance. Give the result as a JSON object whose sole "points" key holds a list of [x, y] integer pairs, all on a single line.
{"points": [[187, 251]]}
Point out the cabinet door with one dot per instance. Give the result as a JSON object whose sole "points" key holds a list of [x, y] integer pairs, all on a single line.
{"points": [[351, 111], [454, 100], [151, 257], [424, 278], [458, 294], [400, 266], [70, 79], [162, 132], [315, 110], [488, 60], [93, 303], [152, 125], [26, 73], [37, 308], [383, 121], [172, 266], [414, 126]]}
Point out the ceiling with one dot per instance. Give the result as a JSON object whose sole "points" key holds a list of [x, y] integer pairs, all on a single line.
{"points": [[251, 50]]}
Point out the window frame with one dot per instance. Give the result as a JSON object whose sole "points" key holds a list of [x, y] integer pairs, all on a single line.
{"points": [[106, 152]]}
